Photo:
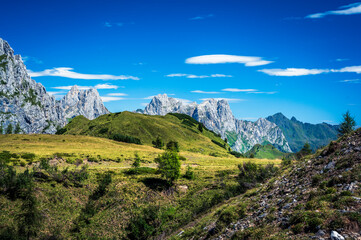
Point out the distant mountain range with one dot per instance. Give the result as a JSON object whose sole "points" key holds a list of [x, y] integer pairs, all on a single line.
{"points": [[298, 133], [26, 102], [284, 134], [217, 116]]}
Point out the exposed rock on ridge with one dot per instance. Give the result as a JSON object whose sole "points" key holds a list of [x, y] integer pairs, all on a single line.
{"points": [[26, 102], [87, 103], [217, 116]]}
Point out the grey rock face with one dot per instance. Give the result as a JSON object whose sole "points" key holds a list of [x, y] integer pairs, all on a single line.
{"points": [[217, 116], [87, 103], [26, 102]]}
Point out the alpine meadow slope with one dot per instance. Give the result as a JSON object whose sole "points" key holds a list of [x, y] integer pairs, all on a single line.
{"points": [[181, 128]]}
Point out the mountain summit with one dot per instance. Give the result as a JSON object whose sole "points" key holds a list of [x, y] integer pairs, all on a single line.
{"points": [[83, 102], [216, 115], [26, 103]]}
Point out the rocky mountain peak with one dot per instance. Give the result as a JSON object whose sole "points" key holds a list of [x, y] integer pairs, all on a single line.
{"points": [[5, 48], [217, 115], [83, 102], [26, 103]]}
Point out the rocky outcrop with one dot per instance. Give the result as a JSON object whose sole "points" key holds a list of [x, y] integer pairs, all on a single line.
{"points": [[216, 115], [26, 104], [83, 102], [24, 101], [317, 198]]}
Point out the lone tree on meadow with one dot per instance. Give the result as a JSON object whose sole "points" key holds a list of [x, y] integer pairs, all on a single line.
{"points": [[169, 165], [306, 150], [173, 146], [136, 163], [347, 125], [17, 129], [158, 143], [9, 129]]}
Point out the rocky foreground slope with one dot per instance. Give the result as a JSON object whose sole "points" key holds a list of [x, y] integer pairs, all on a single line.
{"points": [[318, 198], [26, 103]]}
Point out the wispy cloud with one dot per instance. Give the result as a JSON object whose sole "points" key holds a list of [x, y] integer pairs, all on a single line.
{"points": [[270, 93], [354, 69], [238, 90], [248, 61], [111, 99], [202, 17], [200, 91], [351, 81], [117, 94], [342, 59], [28, 59], [53, 93], [98, 86], [234, 100], [198, 76], [110, 24], [354, 8], [68, 73], [290, 72]]}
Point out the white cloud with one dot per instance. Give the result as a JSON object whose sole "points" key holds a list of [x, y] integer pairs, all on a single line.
{"points": [[27, 59], [290, 72], [110, 24], [238, 90], [198, 76], [117, 94], [110, 99], [200, 91], [270, 93], [342, 59], [248, 61], [202, 17], [350, 9], [177, 75], [68, 73], [227, 99], [53, 93], [351, 81], [355, 69], [149, 97], [98, 86]]}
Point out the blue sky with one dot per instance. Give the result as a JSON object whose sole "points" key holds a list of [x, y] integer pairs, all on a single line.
{"points": [[301, 58]]}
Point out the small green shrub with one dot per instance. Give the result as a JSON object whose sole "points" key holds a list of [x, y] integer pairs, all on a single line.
{"points": [[169, 165], [189, 173]]}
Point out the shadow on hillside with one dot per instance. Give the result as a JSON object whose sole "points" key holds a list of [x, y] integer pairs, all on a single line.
{"points": [[156, 184]]}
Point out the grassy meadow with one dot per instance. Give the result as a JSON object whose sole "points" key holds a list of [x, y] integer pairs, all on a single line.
{"points": [[134, 205]]}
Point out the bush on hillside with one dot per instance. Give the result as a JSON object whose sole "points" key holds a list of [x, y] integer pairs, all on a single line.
{"points": [[219, 144], [169, 165], [252, 173], [158, 143], [189, 173], [172, 146], [125, 138]]}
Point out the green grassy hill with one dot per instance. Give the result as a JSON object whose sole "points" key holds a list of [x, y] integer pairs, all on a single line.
{"points": [[172, 127], [265, 151], [298, 133]]}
